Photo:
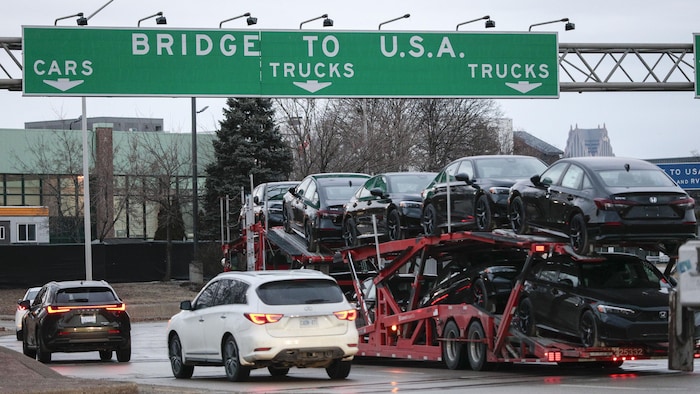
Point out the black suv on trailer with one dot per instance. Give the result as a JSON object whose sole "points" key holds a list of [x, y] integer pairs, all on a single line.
{"points": [[76, 316]]}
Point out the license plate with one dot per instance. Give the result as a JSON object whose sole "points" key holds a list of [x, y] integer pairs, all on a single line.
{"points": [[628, 351], [87, 319], [308, 322], [651, 211]]}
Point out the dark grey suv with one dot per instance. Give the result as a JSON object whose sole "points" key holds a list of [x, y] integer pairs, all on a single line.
{"points": [[76, 316]]}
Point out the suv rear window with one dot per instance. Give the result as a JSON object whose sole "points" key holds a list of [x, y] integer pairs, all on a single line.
{"points": [[300, 291], [85, 295]]}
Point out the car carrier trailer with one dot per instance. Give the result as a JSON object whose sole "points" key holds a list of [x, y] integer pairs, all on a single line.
{"points": [[461, 335], [466, 335]]}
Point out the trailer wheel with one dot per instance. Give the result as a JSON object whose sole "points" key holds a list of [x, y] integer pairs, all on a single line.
{"points": [[453, 352], [476, 351], [588, 330]]}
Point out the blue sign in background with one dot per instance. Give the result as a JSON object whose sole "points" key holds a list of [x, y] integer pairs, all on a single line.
{"points": [[686, 175]]}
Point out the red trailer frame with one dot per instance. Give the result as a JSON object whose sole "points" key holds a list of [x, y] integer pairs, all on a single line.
{"points": [[461, 334]]}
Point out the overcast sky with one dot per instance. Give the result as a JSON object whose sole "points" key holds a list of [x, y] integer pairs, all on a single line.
{"points": [[645, 125]]}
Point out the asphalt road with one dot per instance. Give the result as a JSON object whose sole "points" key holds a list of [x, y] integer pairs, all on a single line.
{"points": [[150, 370]]}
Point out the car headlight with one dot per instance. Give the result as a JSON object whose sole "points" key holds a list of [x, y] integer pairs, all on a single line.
{"points": [[409, 204], [615, 309], [499, 190]]}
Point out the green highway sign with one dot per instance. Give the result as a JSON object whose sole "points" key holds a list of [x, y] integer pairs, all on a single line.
{"points": [[696, 48], [88, 61]]}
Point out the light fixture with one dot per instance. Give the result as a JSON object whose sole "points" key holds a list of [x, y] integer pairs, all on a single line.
{"points": [[250, 21], [81, 20], [326, 22], [160, 20], [489, 23], [393, 20], [569, 25]]}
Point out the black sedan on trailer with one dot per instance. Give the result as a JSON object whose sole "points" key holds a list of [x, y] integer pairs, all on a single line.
{"points": [[392, 198], [482, 278], [476, 188], [600, 200], [267, 203], [314, 208], [613, 299]]}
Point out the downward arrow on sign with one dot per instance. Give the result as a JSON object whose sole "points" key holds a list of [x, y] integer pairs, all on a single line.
{"points": [[312, 86], [523, 86], [63, 84]]}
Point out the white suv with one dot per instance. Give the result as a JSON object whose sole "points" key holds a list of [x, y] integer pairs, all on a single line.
{"points": [[254, 319], [21, 311]]}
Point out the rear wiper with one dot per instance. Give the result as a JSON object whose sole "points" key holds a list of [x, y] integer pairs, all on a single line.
{"points": [[316, 301]]}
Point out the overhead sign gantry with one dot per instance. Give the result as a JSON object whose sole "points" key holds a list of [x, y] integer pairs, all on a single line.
{"points": [[64, 61]]}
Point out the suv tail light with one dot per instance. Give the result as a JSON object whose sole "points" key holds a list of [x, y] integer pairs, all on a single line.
{"points": [[63, 309], [263, 318], [349, 315]]}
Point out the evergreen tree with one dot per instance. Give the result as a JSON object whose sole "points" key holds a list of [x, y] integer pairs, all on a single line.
{"points": [[248, 142], [171, 226]]}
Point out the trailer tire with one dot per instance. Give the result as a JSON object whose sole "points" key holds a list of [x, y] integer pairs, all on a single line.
{"points": [[476, 351], [453, 352]]}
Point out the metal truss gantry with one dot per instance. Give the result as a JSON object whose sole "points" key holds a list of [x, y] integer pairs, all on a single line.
{"points": [[582, 67]]}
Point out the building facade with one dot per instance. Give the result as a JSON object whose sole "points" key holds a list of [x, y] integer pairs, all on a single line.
{"points": [[588, 142], [133, 176]]}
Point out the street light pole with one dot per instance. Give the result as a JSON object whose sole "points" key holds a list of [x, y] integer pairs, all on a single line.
{"points": [[251, 20], [195, 195], [569, 25], [86, 165], [160, 20], [393, 20], [489, 23], [326, 22]]}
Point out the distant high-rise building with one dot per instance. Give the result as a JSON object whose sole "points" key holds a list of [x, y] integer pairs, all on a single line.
{"points": [[588, 142]]}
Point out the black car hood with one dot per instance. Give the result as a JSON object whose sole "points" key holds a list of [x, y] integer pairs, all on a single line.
{"points": [[640, 297]]}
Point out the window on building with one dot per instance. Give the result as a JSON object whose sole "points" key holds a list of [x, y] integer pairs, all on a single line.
{"points": [[26, 232], [2, 233]]}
